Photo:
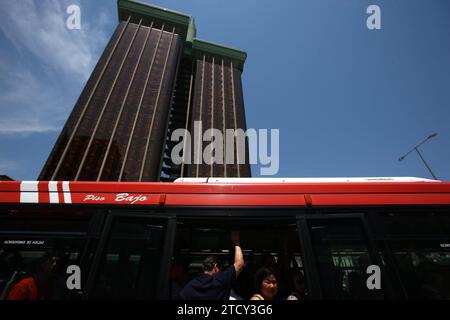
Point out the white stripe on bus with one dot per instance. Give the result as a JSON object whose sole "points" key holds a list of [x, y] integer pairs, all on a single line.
{"points": [[53, 191], [66, 192], [29, 192]]}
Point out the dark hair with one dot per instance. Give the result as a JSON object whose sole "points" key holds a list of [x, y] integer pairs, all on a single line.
{"points": [[261, 274], [39, 263], [294, 275], [210, 262]]}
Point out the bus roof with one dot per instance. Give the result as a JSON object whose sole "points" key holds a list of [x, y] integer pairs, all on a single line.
{"points": [[224, 192], [303, 180]]}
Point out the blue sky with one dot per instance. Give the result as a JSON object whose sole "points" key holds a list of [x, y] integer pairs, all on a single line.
{"points": [[348, 101]]}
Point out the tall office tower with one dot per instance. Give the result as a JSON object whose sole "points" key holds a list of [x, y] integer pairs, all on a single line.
{"points": [[153, 77]]}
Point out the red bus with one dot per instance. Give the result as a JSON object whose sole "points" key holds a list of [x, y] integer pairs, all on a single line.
{"points": [[144, 240]]}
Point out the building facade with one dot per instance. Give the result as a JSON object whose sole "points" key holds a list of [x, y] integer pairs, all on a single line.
{"points": [[153, 78]]}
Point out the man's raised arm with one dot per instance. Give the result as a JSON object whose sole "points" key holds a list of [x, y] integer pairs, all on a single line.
{"points": [[238, 256]]}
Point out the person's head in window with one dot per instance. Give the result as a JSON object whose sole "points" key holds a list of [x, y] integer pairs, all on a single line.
{"points": [[297, 285], [211, 265], [45, 272], [266, 284], [46, 266]]}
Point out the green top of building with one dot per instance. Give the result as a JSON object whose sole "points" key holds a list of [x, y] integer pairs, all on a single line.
{"points": [[184, 25]]}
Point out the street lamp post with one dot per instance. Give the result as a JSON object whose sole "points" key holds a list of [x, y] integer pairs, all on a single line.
{"points": [[416, 148]]}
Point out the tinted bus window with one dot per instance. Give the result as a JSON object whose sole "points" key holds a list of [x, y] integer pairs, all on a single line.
{"points": [[418, 246], [29, 234], [423, 268], [21, 259], [129, 267], [342, 256]]}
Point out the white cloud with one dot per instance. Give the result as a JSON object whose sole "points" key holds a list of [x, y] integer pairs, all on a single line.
{"points": [[38, 98], [40, 27], [28, 105]]}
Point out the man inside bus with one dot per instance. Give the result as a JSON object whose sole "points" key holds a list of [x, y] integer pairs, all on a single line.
{"points": [[214, 284], [38, 286]]}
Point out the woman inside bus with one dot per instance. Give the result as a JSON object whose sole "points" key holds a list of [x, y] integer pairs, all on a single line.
{"points": [[296, 287], [266, 283]]}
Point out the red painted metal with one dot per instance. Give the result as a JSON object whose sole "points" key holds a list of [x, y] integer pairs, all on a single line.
{"points": [[241, 194]]}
